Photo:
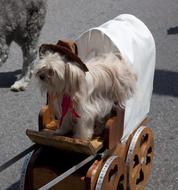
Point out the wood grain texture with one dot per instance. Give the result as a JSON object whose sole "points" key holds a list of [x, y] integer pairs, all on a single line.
{"points": [[47, 138]]}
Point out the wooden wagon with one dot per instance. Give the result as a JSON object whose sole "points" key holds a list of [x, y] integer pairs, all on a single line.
{"points": [[122, 157]]}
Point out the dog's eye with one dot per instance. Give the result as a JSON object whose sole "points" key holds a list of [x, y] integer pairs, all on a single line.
{"points": [[42, 76]]}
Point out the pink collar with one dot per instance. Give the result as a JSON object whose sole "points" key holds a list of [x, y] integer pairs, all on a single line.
{"points": [[67, 106]]}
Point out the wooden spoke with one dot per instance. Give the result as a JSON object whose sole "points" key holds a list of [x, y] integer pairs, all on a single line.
{"points": [[136, 171], [139, 158]]}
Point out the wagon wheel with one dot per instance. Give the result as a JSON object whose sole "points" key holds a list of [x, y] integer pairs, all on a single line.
{"points": [[112, 175], [24, 171], [25, 184], [139, 158]]}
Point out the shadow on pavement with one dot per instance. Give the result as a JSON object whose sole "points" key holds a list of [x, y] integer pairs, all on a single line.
{"points": [[166, 83], [14, 186], [8, 78], [172, 30]]}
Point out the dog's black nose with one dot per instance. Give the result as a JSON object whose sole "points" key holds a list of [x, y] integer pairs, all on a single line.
{"points": [[42, 76]]}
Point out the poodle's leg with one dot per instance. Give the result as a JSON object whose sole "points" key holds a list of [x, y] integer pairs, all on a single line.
{"points": [[29, 56], [4, 50], [28, 43]]}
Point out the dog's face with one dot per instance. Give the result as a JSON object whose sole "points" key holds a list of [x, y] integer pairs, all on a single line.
{"points": [[50, 73]]}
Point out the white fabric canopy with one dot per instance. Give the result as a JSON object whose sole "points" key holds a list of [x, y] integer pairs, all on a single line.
{"points": [[131, 37]]}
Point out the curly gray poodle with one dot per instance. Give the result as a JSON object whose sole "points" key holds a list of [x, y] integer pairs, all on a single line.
{"points": [[21, 21]]}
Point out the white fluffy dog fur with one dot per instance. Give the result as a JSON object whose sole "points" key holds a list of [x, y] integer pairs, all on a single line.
{"points": [[93, 94]]}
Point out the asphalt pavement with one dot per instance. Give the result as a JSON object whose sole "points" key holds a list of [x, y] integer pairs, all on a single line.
{"points": [[68, 19]]}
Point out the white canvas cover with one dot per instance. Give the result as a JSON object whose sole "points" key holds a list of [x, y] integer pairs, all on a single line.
{"points": [[131, 37]]}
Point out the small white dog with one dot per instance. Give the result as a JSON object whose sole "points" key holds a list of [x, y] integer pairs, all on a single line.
{"points": [[85, 93]]}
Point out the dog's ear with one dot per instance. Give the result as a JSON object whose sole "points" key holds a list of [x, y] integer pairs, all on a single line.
{"points": [[69, 44]]}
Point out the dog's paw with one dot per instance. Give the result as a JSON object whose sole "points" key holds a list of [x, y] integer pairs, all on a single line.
{"points": [[60, 132], [84, 136], [19, 85]]}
